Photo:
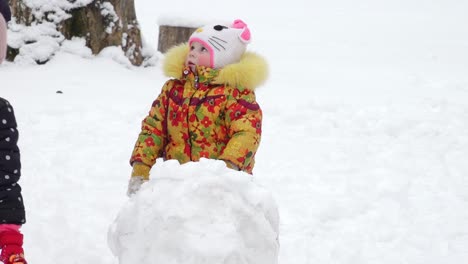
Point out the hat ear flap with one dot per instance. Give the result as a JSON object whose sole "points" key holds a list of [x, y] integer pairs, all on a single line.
{"points": [[244, 36]]}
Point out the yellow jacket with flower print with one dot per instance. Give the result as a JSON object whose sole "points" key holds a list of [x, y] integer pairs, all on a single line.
{"points": [[212, 114]]}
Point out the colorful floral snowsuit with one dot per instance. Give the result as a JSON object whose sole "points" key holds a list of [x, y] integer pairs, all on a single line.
{"points": [[196, 116]]}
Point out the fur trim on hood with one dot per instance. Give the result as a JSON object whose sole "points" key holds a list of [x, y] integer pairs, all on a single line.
{"points": [[250, 72]]}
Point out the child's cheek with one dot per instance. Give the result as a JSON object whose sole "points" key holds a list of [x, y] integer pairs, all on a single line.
{"points": [[204, 60]]}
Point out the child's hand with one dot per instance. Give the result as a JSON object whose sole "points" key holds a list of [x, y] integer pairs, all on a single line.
{"points": [[134, 185], [140, 174], [11, 243]]}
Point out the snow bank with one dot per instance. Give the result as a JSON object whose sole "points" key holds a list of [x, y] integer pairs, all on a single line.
{"points": [[199, 212]]}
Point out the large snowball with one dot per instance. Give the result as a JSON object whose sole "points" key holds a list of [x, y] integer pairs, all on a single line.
{"points": [[197, 213]]}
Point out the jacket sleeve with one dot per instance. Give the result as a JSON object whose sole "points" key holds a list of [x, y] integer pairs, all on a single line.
{"points": [[11, 206], [152, 138], [244, 123]]}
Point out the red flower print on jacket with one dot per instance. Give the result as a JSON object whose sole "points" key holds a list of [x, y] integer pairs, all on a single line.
{"points": [[149, 142], [206, 122], [257, 124], [176, 116], [237, 111]]}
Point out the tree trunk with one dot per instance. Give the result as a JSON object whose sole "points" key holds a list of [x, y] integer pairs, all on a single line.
{"points": [[102, 23], [21, 12], [172, 35]]}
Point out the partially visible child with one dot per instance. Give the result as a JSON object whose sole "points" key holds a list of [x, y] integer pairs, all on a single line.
{"points": [[5, 16], [12, 214], [208, 109]]}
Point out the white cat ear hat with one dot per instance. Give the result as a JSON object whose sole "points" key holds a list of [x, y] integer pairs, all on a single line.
{"points": [[225, 44]]}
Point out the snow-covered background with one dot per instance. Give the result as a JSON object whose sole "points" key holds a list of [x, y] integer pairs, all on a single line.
{"points": [[365, 135]]}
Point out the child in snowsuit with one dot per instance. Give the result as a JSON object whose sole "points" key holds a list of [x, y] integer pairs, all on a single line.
{"points": [[5, 16], [208, 110], [12, 214]]}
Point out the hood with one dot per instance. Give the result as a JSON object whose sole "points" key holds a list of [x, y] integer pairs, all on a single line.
{"points": [[250, 72]]}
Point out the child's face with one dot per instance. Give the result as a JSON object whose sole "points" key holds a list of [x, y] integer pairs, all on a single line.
{"points": [[198, 55]]}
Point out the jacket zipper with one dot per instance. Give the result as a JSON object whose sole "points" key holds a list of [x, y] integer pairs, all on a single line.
{"points": [[188, 115]]}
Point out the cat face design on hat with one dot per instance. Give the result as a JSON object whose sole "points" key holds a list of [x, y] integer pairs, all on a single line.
{"points": [[226, 44]]}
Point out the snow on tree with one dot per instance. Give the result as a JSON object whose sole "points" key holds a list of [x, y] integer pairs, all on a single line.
{"points": [[39, 27]]}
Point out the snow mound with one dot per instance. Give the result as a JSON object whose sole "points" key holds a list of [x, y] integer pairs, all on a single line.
{"points": [[199, 212]]}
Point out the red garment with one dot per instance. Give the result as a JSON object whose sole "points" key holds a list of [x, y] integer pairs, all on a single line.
{"points": [[11, 243]]}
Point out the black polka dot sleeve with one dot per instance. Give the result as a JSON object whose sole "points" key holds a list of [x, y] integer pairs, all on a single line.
{"points": [[11, 201]]}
